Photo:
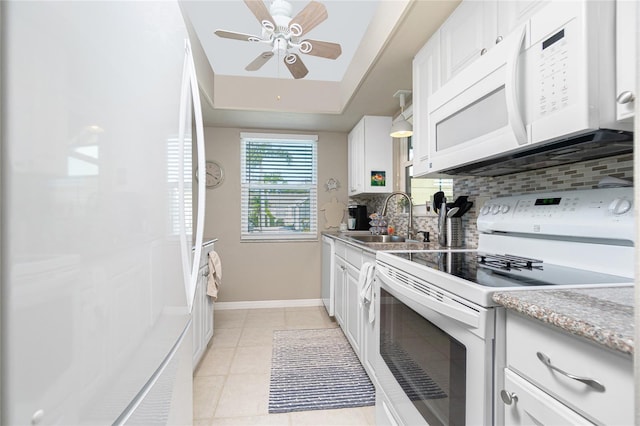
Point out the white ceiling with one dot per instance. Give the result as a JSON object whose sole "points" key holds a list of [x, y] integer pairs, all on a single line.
{"points": [[346, 24], [379, 39]]}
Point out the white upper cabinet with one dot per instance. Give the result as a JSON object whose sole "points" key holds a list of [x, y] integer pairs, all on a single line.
{"points": [[371, 156], [512, 14], [476, 26], [466, 35], [426, 80], [626, 34]]}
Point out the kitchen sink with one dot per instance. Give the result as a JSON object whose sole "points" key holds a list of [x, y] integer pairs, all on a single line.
{"points": [[378, 238]]}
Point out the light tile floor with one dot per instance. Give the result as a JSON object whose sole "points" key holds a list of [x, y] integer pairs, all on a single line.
{"points": [[231, 384]]}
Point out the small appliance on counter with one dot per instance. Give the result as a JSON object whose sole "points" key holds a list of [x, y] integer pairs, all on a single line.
{"points": [[359, 213]]}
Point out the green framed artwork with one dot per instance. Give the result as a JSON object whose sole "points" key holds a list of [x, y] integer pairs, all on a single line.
{"points": [[378, 178]]}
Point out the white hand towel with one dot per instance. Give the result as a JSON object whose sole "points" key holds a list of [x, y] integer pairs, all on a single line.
{"points": [[215, 275], [365, 282]]}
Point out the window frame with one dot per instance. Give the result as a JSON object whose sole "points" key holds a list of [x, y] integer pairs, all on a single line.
{"points": [[245, 187], [402, 162]]}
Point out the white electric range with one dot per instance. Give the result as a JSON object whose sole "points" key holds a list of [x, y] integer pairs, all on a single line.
{"points": [[436, 315]]}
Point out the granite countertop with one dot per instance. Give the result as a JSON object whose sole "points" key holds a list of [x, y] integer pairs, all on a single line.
{"points": [[602, 315]]}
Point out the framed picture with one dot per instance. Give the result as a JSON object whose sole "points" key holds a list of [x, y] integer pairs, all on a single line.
{"points": [[378, 178]]}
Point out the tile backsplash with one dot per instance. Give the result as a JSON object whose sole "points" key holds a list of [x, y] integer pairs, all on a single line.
{"points": [[583, 175]]}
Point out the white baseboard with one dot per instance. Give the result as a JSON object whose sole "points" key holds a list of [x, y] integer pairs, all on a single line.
{"points": [[261, 304]]}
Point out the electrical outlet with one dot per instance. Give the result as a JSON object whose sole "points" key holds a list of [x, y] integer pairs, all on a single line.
{"points": [[479, 202]]}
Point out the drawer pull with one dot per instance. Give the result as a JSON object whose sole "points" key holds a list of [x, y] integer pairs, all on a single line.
{"points": [[508, 397], [625, 97], [589, 382]]}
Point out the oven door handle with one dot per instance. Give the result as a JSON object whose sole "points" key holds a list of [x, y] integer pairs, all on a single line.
{"points": [[465, 315]]}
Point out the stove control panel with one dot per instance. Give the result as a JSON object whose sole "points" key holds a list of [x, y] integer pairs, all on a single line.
{"points": [[592, 213]]}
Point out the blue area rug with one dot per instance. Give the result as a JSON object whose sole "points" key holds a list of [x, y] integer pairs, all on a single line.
{"points": [[316, 370]]}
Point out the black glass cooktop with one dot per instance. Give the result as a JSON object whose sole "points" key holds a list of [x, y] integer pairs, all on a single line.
{"points": [[507, 271]]}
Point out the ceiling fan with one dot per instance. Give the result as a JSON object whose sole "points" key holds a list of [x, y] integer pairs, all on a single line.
{"points": [[284, 34]]}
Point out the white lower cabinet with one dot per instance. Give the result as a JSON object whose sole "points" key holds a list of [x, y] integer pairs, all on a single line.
{"points": [[526, 404], [340, 278], [347, 308], [202, 314], [555, 375], [353, 328], [370, 330], [351, 314]]}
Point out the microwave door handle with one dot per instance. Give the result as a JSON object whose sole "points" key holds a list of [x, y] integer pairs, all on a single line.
{"points": [[511, 84]]}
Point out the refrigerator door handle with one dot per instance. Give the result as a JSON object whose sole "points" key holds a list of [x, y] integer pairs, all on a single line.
{"points": [[190, 93], [202, 170]]}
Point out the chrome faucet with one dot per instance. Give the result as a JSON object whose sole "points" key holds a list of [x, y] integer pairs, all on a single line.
{"points": [[405, 195]]}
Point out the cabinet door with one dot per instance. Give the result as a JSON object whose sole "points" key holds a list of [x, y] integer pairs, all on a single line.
{"points": [[370, 331], [626, 39], [531, 406], [371, 155], [466, 34], [513, 13], [207, 320], [426, 80], [378, 155], [353, 310], [197, 319], [356, 159], [340, 271]]}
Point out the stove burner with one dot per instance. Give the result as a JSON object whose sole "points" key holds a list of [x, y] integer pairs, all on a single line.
{"points": [[509, 262]]}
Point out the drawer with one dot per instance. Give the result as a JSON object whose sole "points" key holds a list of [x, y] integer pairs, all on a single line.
{"points": [[527, 337], [341, 249], [354, 256], [531, 403]]}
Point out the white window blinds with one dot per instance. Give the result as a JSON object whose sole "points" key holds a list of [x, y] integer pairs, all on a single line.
{"points": [[279, 186], [179, 172]]}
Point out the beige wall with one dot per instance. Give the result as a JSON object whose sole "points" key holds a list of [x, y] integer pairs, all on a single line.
{"points": [[257, 271]]}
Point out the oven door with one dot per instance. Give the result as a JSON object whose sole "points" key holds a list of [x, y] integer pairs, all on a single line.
{"points": [[435, 357]]}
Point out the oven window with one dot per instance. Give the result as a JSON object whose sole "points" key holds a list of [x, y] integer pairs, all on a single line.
{"points": [[428, 364]]}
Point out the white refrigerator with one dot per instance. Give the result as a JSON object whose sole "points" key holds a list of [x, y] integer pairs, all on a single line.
{"points": [[97, 226]]}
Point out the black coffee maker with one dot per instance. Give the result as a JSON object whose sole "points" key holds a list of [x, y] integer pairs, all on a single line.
{"points": [[359, 213]]}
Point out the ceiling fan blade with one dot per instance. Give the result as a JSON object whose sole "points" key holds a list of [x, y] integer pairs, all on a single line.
{"points": [[324, 49], [308, 18], [295, 65], [260, 11], [259, 61], [236, 36]]}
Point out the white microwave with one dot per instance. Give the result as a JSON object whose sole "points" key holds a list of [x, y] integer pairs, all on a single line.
{"points": [[544, 96]]}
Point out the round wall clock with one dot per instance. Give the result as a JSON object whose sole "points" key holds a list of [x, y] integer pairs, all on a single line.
{"points": [[215, 174]]}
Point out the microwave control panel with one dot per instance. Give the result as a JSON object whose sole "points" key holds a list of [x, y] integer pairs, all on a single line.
{"points": [[553, 73]]}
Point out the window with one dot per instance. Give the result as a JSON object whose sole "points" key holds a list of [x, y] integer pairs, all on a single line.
{"points": [[421, 190], [179, 185], [279, 186]]}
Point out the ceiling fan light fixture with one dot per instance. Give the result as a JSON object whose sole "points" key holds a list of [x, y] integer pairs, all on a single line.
{"points": [[281, 32], [401, 128]]}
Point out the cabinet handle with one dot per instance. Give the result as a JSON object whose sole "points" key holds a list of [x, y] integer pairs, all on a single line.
{"points": [[508, 397], [587, 381], [483, 51], [499, 39], [625, 97]]}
